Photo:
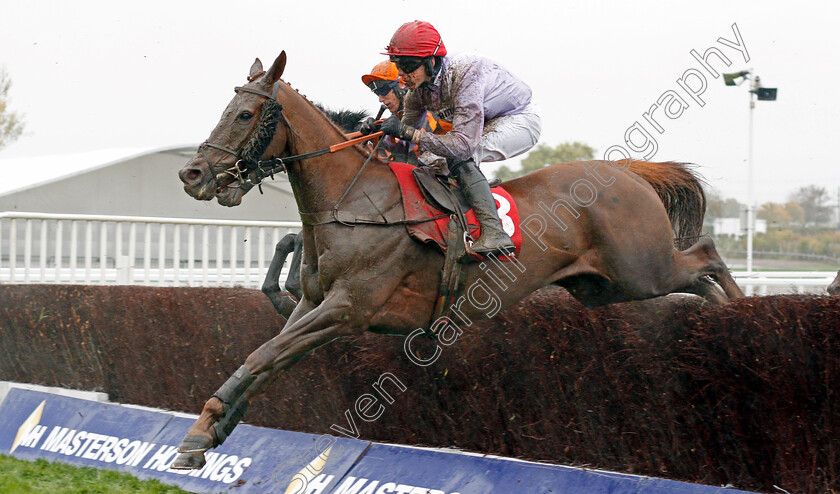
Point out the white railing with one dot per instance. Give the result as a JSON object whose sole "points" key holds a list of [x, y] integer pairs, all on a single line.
{"points": [[125, 250], [768, 282]]}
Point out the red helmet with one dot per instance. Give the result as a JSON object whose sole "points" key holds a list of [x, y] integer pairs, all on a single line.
{"points": [[416, 39]]}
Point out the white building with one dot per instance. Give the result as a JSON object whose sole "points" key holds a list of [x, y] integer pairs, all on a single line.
{"points": [[128, 183], [736, 226], [122, 216]]}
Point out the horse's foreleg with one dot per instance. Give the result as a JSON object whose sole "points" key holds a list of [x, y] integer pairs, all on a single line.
{"points": [[306, 330], [271, 286], [332, 319]]}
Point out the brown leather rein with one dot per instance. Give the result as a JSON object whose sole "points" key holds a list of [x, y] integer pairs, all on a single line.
{"points": [[267, 168]]}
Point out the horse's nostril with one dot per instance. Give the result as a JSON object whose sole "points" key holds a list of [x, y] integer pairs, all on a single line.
{"points": [[193, 174]]}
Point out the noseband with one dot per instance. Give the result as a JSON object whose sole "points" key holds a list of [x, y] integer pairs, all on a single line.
{"points": [[248, 158]]}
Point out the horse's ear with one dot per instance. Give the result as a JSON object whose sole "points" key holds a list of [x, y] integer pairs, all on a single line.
{"points": [[255, 69], [276, 70]]}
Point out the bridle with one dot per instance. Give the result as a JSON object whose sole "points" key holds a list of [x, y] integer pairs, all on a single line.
{"points": [[271, 113]]}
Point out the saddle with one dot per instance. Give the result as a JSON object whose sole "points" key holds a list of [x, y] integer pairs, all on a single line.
{"points": [[442, 192], [437, 212]]}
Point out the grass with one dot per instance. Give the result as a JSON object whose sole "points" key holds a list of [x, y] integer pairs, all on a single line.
{"points": [[18, 476]]}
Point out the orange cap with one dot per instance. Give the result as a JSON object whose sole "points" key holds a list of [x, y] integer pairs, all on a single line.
{"points": [[383, 71]]}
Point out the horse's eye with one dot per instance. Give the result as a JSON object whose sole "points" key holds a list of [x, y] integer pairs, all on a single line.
{"points": [[245, 116]]}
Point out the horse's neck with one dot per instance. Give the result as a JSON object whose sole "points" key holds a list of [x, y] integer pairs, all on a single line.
{"points": [[319, 182]]}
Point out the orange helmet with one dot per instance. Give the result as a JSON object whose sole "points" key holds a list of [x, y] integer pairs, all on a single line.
{"points": [[383, 78], [383, 71]]}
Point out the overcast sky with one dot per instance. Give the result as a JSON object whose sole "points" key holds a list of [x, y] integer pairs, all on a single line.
{"points": [[94, 75]]}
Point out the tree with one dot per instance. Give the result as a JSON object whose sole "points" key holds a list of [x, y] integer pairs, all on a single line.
{"points": [[11, 125], [776, 215], [543, 155], [718, 207], [815, 202], [796, 213]]}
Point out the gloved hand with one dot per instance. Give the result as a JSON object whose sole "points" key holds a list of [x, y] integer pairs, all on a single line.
{"points": [[367, 126], [394, 127], [435, 162], [440, 168]]}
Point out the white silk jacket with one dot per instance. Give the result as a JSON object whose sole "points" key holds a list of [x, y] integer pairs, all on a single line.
{"points": [[468, 91]]}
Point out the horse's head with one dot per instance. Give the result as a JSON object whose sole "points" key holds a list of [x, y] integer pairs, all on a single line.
{"points": [[246, 132]]}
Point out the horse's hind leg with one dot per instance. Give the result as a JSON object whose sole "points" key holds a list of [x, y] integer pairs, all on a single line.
{"points": [[834, 287], [293, 280], [271, 286], [707, 289], [702, 259]]}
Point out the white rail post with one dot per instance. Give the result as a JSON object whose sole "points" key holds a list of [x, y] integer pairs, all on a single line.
{"points": [[13, 251], [88, 250], [176, 255], [27, 251], [132, 251], [42, 253], [162, 254], [74, 239], [147, 254], [247, 245], [205, 254], [233, 261], [219, 253], [261, 254], [103, 252], [121, 277], [59, 249], [190, 254]]}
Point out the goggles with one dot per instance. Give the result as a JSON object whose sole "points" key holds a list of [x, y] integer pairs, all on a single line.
{"points": [[408, 64], [381, 88]]}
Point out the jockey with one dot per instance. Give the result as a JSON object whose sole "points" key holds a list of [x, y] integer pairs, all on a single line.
{"points": [[385, 82], [492, 116]]}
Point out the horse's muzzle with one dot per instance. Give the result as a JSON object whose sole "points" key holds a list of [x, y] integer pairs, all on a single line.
{"points": [[198, 180]]}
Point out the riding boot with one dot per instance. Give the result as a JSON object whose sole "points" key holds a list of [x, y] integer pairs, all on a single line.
{"points": [[493, 238]]}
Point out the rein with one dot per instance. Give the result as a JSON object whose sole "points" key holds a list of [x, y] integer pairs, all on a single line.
{"points": [[248, 161]]}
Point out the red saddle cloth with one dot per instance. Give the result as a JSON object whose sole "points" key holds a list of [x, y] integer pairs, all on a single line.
{"points": [[435, 231]]}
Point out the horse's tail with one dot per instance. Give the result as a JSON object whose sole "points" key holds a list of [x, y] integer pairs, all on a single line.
{"points": [[681, 192]]}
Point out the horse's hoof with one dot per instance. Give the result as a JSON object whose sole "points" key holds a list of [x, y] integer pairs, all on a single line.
{"points": [[189, 461], [195, 443]]}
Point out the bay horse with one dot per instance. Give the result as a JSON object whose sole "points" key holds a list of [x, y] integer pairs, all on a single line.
{"points": [[367, 274], [291, 243]]}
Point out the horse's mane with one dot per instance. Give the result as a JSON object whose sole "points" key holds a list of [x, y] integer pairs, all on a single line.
{"points": [[345, 121], [348, 120]]}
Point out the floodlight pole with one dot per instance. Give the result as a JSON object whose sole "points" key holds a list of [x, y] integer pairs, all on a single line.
{"points": [[750, 196], [767, 94]]}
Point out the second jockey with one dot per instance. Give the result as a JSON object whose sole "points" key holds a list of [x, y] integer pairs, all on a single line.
{"points": [[385, 82]]}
